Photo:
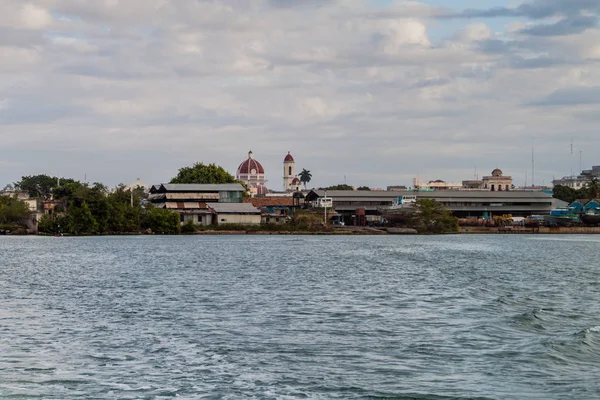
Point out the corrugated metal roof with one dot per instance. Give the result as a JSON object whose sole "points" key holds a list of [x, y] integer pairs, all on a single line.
{"points": [[192, 196], [185, 205], [192, 187], [234, 208], [350, 195]]}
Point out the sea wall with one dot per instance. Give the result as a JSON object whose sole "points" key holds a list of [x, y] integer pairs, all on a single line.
{"points": [[579, 230]]}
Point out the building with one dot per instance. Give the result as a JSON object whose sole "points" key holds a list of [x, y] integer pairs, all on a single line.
{"points": [[291, 183], [496, 182], [353, 204], [235, 213], [276, 210], [584, 206], [579, 182], [252, 173], [138, 184], [435, 185], [192, 201]]}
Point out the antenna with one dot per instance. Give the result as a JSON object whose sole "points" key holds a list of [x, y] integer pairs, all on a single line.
{"points": [[532, 162], [580, 155]]}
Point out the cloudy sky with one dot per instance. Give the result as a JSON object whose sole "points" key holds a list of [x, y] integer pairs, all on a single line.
{"points": [[372, 91]]}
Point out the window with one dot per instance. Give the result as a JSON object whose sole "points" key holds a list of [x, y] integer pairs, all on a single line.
{"points": [[290, 171]]}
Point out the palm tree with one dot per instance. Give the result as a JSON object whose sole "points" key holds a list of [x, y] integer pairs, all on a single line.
{"points": [[305, 177]]}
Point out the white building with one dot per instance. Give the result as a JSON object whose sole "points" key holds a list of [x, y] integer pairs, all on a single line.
{"points": [[290, 180]]}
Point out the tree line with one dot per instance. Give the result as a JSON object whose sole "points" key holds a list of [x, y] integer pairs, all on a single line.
{"points": [[591, 190]]}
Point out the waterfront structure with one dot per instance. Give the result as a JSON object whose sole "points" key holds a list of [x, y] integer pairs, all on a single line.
{"points": [[276, 210], [192, 201], [351, 204], [583, 206], [235, 213], [252, 173], [579, 181]]}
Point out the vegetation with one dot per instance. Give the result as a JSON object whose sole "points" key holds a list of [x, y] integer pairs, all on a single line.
{"points": [[305, 177], [364, 188], [590, 191], [342, 186], [12, 211], [90, 210], [41, 186], [430, 216], [202, 174]]}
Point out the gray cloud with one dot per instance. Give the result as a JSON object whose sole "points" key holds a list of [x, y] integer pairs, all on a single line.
{"points": [[537, 9], [143, 87], [572, 97], [566, 26]]}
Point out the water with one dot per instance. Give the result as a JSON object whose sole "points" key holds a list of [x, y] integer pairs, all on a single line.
{"points": [[282, 317]]}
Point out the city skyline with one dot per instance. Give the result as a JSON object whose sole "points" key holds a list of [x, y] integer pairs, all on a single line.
{"points": [[378, 92]]}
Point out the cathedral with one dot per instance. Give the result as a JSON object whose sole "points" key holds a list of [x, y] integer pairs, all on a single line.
{"points": [[252, 173]]}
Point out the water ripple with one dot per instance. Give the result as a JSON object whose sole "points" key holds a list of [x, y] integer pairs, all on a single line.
{"points": [[451, 317]]}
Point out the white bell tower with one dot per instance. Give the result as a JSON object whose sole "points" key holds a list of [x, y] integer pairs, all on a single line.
{"points": [[288, 172]]}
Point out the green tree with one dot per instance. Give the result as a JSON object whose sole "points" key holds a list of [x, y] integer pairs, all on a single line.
{"points": [[591, 189], [364, 188], [41, 186], [432, 217], [81, 221], [566, 193], [12, 210], [342, 186], [200, 173], [305, 177], [161, 220]]}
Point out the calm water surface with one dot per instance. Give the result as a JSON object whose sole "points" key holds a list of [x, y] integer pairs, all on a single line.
{"points": [[282, 317]]}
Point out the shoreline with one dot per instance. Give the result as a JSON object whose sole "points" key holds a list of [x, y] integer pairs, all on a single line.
{"points": [[364, 232]]}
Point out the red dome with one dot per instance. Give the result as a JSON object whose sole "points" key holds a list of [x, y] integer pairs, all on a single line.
{"points": [[262, 190], [288, 158], [296, 181], [250, 166]]}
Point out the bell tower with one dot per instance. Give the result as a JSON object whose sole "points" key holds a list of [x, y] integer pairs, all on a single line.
{"points": [[288, 171]]}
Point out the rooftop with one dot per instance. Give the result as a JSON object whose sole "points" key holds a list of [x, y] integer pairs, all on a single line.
{"points": [[193, 187]]}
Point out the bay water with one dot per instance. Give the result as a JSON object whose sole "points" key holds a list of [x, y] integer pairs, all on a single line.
{"points": [[300, 317]]}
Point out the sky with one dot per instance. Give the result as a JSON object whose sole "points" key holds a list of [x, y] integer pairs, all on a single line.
{"points": [[367, 92]]}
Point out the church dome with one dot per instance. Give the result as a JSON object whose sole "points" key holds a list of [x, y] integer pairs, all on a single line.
{"points": [[497, 172], [262, 190], [296, 181], [288, 158], [250, 166]]}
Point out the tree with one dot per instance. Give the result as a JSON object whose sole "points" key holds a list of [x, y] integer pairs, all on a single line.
{"points": [[591, 189], [432, 217], [12, 210], [200, 173], [342, 186], [305, 177], [565, 193], [365, 188], [161, 220]]}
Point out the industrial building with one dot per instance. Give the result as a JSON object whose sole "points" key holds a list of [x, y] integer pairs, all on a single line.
{"points": [[205, 204], [352, 205]]}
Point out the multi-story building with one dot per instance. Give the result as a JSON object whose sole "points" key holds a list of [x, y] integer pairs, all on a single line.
{"points": [[463, 203], [579, 181], [203, 204]]}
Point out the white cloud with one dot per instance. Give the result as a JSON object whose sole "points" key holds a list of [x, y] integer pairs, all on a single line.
{"points": [[152, 85]]}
